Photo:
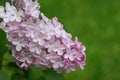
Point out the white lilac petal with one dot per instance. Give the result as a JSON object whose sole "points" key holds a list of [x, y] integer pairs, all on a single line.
{"points": [[24, 65], [18, 47], [35, 48], [50, 42], [11, 14], [67, 42], [70, 54], [57, 47], [32, 8], [44, 17], [51, 56], [37, 40], [2, 13], [3, 25], [57, 63]]}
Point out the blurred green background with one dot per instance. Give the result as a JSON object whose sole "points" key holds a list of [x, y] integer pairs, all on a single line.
{"points": [[97, 25]]}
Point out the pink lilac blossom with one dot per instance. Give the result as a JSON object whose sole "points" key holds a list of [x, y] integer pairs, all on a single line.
{"points": [[38, 41]]}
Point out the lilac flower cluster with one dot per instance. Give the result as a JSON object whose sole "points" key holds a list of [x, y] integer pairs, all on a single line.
{"points": [[36, 40]]}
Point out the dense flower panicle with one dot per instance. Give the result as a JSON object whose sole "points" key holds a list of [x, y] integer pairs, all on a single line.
{"points": [[38, 41]]}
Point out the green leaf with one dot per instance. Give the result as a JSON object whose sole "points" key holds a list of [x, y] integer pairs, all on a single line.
{"points": [[34, 73], [53, 75], [3, 42], [18, 76], [2, 2], [3, 76], [3, 47]]}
